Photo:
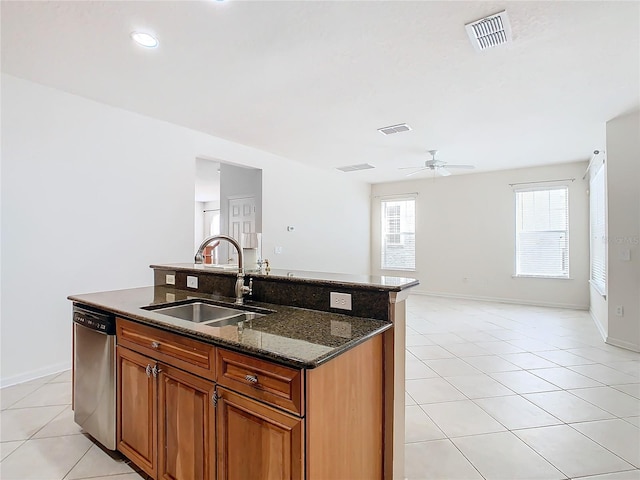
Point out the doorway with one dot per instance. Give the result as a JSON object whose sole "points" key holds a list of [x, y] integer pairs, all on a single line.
{"points": [[228, 200]]}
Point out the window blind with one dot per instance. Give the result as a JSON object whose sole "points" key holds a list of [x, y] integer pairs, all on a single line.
{"points": [[398, 221], [542, 232], [597, 204]]}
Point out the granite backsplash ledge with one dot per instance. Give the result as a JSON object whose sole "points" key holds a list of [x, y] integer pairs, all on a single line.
{"points": [[369, 294]]}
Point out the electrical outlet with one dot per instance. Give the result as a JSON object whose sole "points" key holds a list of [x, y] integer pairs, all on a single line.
{"points": [[277, 250], [170, 279], [192, 282], [620, 311], [340, 300]]}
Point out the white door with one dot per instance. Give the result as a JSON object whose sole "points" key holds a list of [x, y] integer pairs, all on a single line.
{"points": [[242, 219]]}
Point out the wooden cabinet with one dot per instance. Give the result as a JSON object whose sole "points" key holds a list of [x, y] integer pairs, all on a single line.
{"points": [[169, 348], [186, 426], [137, 409], [276, 385], [257, 441], [188, 410], [166, 417]]}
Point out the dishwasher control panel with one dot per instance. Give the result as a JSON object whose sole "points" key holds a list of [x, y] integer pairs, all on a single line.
{"points": [[95, 320]]}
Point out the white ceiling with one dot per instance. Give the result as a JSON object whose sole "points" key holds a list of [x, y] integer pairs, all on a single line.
{"points": [[313, 80]]}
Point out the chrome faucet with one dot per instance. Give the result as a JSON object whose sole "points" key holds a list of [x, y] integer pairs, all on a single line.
{"points": [[240, 289]]}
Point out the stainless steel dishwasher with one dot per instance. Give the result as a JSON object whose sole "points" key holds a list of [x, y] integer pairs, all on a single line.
{"points": [[94, 373]]}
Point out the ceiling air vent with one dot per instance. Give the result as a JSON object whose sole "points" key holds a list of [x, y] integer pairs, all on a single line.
{"points": [[490, 31], [402, 127], [353, 168]]}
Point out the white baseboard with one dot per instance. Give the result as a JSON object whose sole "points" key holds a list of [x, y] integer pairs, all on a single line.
{"points": [[622, 344], [33, 374], [513, 301], [599, 326], [613, 341]]}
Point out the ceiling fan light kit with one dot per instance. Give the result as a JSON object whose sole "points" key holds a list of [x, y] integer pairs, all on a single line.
{"points": [[437, 166]]}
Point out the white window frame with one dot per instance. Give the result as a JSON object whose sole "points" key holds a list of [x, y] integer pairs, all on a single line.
{"points": [[597, 229], [403, 235], [565, 275]]}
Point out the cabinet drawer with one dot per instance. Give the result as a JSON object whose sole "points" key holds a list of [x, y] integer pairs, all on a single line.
{"points": [[173, 349], [271, 383]]}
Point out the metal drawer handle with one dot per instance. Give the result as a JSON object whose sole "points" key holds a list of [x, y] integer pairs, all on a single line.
{"points": [[251, 378], [148, 370], [155, 370], [155, 345]]}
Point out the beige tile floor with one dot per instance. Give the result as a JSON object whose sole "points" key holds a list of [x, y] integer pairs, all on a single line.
{"points": [[493, 391], [499, 391]]}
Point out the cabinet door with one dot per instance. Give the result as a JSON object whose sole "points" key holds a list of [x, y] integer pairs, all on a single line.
{"points": [[186, 426], [137, 409], [256, 441]]}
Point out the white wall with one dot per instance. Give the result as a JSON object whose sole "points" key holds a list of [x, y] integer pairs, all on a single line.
{"points": [[465, 229], [328, 216], [198, 224], [91, 195], [623, 215]]}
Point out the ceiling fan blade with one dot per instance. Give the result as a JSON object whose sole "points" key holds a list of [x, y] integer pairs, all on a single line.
{"points": [[443, 172], [459, 166], [405, 168], [417, 171]]}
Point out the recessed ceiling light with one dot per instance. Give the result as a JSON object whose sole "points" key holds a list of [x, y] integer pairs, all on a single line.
{"points": [[144, 39]]}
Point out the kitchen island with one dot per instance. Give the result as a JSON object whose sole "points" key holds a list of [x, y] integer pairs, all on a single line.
{"points": [[302, 390]]}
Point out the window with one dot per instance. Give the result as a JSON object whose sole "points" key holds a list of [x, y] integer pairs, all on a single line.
{"points": [[398, 234], [393, 225], [597, 230], [542, 236]]}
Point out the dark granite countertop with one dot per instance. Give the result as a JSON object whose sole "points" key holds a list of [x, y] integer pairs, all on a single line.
{"points": [[291, 336], [375, 282]]}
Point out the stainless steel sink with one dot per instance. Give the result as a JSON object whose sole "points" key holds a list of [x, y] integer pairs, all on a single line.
{"points": [[205, 313]]}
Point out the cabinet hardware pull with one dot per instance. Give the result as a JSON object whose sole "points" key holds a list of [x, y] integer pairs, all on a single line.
{"points": [[155, 345], [214, 399], [155, 370], [148, 370], [251, 378]]}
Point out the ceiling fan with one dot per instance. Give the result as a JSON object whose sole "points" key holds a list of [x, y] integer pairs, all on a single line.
{"points": [[437, 166]]}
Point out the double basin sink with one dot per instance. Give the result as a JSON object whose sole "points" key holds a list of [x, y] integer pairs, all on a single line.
{"points": [[209, 312]]}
